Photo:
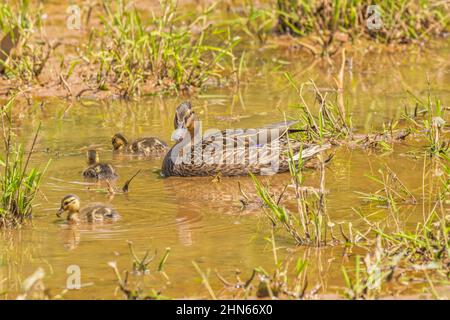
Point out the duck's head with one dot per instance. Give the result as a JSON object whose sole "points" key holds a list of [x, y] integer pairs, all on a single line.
{"points": [[70, 203], [92, 157], [184, 121], [119, 141]]}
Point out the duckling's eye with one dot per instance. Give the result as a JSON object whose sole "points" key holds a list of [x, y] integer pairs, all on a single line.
{"points": [[66, 203]]}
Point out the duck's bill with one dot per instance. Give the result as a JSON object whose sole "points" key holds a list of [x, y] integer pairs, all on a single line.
{"points": [[178, 134], [60, 212]]}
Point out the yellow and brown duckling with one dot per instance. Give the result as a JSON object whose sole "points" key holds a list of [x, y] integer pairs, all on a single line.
{"points": [[92, 213], [231, 152], [97, 170], [144, 146]]}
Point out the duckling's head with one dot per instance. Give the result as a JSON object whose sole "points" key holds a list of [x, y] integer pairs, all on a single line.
{"points": [[70, 203], [184, 121], [92, 157], [119, 141]]}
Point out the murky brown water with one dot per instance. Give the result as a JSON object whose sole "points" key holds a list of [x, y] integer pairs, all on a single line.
{"points": [[199, 219]]}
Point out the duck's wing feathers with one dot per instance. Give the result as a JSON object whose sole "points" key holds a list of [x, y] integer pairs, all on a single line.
{"points": [[99, 212]]}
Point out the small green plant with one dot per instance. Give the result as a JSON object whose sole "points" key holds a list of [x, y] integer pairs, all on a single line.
{"points": [[141, 270], [19, 183], [429, 119], [331, 122], [141, 265], [369, 275], [311, 224], [393, 190]]}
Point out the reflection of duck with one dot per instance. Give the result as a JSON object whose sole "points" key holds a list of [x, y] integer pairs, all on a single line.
{"points": [[97, 170], [231, 152], [145, 146], [94, 212]]}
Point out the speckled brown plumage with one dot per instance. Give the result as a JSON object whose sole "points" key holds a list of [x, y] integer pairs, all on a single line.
{"points": [[143, 146], [242, 146]]}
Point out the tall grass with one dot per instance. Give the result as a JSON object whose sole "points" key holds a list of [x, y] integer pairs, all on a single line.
{"points": [[18, 182], [23, 52], [401, 21], [159, 53]]}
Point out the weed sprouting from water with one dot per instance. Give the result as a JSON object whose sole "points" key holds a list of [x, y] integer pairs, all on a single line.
{"points": [[429, 120], [402, 256], [134, 291], [331, 122], [19, 184], [311, 224]]}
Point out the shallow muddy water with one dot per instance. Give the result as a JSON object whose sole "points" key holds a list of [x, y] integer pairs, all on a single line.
{"points": [[199, 219]]}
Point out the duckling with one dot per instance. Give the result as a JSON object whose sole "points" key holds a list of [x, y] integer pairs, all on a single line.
{"points": [[146, 146], [97, 170], [94, 212]]}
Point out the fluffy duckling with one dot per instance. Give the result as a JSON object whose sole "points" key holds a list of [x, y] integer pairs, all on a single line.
{"points": [[97, 170], [94, 212], [146, 146]]}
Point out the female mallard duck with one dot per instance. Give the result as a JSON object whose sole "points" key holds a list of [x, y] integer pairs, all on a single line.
{"points": [[146, 146], [94, 212], [231, 152], [97, 170]]}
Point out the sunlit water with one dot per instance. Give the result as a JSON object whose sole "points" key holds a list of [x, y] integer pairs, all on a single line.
{"points": [[199, 219]]}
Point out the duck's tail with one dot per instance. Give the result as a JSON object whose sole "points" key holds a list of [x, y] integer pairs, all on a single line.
{"points": [[311, 151]]}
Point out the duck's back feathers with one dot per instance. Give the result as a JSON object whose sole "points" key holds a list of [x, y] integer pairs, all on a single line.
{"points": [[100, 171], [148, 146], [238, 152], [98, 212]]}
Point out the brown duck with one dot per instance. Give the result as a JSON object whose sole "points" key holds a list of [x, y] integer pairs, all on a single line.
{"points": [[231, 152]]}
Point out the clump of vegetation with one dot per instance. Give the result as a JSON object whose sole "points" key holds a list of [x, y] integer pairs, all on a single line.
{"points": [[23, 50], [19, 184], [399, 256], [331, 122], [310, 225], [138, 55], [323, 26], [289, 279], [134, 291], [429, 120], [141, 265], [390, 21], [392, 192]]}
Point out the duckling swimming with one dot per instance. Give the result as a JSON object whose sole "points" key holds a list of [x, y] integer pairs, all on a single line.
{"points": [[93, 212], [97, 170], [146, 146]]}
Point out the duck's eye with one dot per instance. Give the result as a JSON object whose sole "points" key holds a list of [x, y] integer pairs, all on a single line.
{"points": [[66, 203]]}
